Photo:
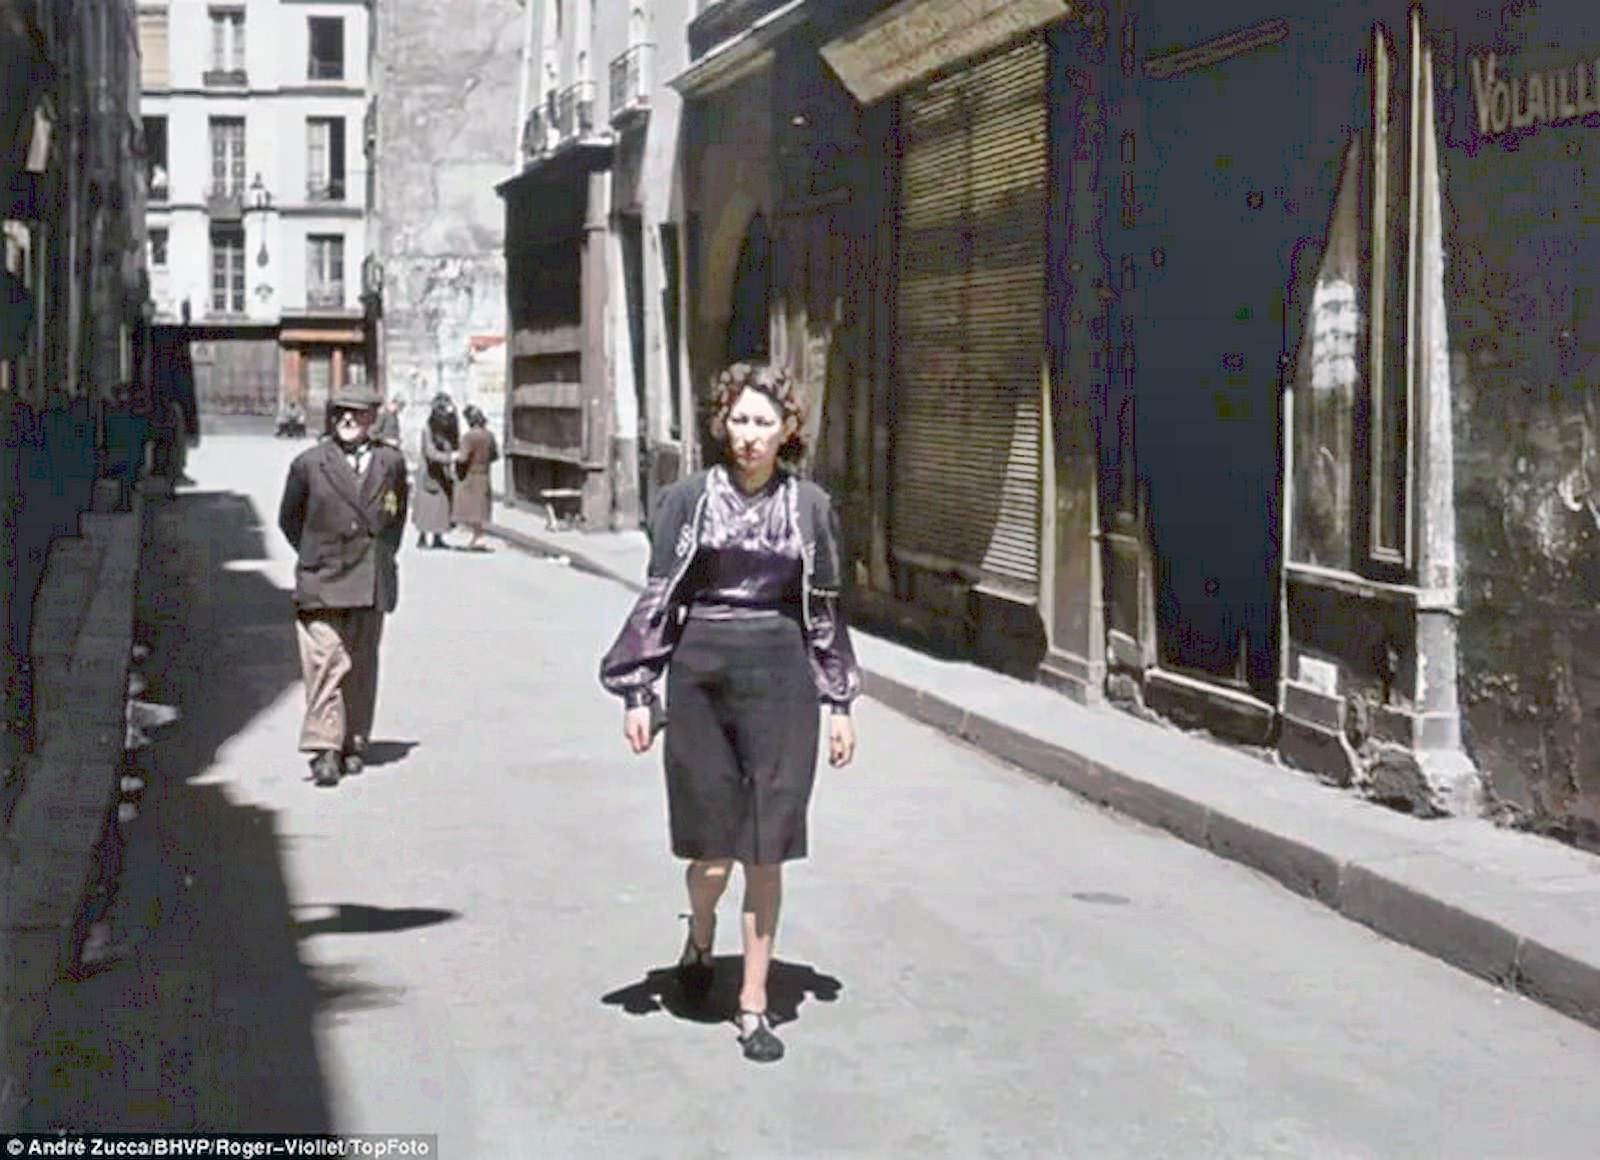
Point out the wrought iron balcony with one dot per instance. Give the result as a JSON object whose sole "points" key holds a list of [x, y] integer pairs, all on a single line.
{"points": [[319, 191], [326, 296], [156, 185], [226, 78], [319, 69], [575, 111], [225, 203], [631, 78]]}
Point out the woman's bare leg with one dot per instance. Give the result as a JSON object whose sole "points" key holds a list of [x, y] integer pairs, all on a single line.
{"points": [[706, 882], [763, 894]]}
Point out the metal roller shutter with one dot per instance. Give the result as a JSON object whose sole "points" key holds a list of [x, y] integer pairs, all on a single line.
{"points": [[970, 320]]}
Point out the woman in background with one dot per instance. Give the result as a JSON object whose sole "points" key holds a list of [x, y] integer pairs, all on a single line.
{"points": [[436, 476], [473, 499]]}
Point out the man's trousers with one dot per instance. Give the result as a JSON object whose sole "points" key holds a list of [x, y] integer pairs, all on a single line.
{"points": [[339, 661]]}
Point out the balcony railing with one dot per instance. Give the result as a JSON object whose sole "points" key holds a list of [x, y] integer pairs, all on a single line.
{"points": [[535, 134], [631, 76], [325, 70], [318, 191], [231, 78], [575, 111], [156, 186], [326, 296], [225, 203]]}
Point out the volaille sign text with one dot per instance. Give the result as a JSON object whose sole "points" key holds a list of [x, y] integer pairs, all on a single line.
{"points": [[1548, 97]]}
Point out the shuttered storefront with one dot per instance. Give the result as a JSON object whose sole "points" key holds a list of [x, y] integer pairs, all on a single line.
{"points": [[236, 376], [970, 319]]}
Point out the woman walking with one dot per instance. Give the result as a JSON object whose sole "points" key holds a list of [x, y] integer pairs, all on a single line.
{"points": [[472, 502], [436, 475], [741, 610]]}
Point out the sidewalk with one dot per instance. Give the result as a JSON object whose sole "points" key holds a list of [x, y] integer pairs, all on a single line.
{"points": [[66, 790], [1518, 910]]}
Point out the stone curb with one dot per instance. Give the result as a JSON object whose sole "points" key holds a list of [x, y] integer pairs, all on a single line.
{"points": [[1372, 892]]}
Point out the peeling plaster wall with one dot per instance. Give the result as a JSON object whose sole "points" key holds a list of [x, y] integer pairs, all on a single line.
{"points": [[447, 133], [1523, 216]]}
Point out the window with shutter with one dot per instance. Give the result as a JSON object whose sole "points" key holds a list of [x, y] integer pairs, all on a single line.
{"points": [[153, 50]]}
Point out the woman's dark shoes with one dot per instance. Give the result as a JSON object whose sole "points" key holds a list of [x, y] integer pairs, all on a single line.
{"points": [[756, 1037], [696, 969], [325, 768]]}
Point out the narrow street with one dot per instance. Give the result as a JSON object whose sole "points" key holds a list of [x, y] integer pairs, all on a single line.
{"points": [[475, 937]]}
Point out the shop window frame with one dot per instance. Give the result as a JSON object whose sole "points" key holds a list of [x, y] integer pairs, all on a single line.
{"points": [[1385, 520]]}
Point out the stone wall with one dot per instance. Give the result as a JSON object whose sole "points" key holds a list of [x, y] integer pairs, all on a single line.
{"points": [[1521, 218], [447, 133]]}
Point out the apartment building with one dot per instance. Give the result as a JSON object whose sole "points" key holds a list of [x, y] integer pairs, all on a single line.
{"points": [[257, 130], [596, 405]]}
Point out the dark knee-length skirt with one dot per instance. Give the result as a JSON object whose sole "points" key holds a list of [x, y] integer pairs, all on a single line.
{"points": [[741, 740]]}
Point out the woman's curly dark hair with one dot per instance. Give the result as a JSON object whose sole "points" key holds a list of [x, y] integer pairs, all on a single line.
{"points": [[773, 382]]}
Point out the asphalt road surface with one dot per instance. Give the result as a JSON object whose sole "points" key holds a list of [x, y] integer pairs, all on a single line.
{"points": [[473, 939]]}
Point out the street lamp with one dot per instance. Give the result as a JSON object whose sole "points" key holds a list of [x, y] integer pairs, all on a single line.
{"points": [[261, 202]]}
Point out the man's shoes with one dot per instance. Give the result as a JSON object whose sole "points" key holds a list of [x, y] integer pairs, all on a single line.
{"points": [[325, 768], [354, 763]]}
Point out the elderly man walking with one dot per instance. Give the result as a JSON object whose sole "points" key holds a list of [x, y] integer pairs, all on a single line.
{"points": [[344, 510]]}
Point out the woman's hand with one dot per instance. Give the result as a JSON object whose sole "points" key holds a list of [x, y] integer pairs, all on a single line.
{"points": [[841, 740], [636, 728]]}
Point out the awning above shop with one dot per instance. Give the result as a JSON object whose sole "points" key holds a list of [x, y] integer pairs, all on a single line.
{"points": [[739, 56], [917, 38], [340, 335]]}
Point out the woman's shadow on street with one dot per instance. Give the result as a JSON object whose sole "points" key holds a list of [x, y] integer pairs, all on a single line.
{"points": [[788, 985]]}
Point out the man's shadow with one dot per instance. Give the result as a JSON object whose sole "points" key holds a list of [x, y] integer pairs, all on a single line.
{"points": [[788, 985], [380, 753]]}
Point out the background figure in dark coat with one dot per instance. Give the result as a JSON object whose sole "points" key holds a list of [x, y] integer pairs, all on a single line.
{"points": [[175, 419], [436, 477], [387, 429], [344, 510], [473, 501]]}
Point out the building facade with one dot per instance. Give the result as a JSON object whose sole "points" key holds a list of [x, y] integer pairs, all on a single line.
{"points": [[73, 287], [1280, 433], [447, 132], [256, 123], [595, 362]]}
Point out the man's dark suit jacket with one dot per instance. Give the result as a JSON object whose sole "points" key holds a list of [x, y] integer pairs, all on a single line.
{"points": [[346, 531]]}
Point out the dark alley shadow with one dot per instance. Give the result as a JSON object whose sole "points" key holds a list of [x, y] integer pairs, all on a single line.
{"points": [[207, 1022], [388, 752], [788, 985], [353, 918]]}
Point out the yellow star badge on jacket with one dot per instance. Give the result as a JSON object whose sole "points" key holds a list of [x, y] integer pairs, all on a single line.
{"points": [[391, 503]]}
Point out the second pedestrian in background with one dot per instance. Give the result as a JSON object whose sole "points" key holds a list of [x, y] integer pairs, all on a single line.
{"points": [[436, 479], [473, 501], [387, 429]]}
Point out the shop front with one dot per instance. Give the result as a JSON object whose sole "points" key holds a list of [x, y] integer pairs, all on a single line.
{"points": [[559, 402], [964, 105], [317, 360]]}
